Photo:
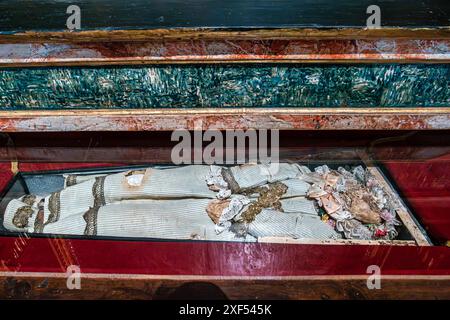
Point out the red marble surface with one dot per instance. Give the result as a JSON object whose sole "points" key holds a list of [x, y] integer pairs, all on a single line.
{"points": [[222, 119], [225, 50]]}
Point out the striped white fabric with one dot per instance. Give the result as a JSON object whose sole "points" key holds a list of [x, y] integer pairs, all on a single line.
{"points": [[271, 223], [181, 182], [73, 200], [169, 219], [254, 175], [79, 178], [171, 204], [162, 219], [296, 188], [299, 205], [73, 224]]}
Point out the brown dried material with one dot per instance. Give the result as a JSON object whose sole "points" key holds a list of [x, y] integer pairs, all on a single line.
{"points": [[39, 222], [54, 206], [91, 221], [229, 179], [361, 210], [29, 199], [215, 209], [22, 215], [195, 236], [362, 205], [133, 172], [268, 198], [71, 180], [213, 187]]}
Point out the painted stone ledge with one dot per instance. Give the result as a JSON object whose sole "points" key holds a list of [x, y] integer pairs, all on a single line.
{"points": [[219, 51], [222, 119], [226, 86]]}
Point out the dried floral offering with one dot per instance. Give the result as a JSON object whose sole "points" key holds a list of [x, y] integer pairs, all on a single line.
{"points": [[199, 202], [356, 203]]}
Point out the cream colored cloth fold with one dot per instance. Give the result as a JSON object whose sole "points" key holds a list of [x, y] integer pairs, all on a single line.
{"points": [[299, 204], [71, 200], [253, 175]]}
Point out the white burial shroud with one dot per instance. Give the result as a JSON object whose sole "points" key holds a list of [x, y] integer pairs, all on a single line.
{"points": [[171, 204]]}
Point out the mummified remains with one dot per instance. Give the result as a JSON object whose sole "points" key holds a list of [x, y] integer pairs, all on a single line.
{"points": [[199, 202]]}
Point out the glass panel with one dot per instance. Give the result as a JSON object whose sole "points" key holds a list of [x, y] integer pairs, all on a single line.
{"points": [[312, 187]]}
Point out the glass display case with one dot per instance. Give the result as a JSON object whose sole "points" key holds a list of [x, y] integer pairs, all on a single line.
{"points": [[108, 169], [173, 235]]}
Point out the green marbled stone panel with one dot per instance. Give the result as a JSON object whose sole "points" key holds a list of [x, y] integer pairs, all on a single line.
{"points": [[201, 86]]}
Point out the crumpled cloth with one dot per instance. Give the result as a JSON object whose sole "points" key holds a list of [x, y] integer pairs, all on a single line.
{"points": [[235, 206]]}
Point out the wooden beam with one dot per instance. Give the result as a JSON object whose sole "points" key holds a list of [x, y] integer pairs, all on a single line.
{"points": [[220, 34], [53, 286]]}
